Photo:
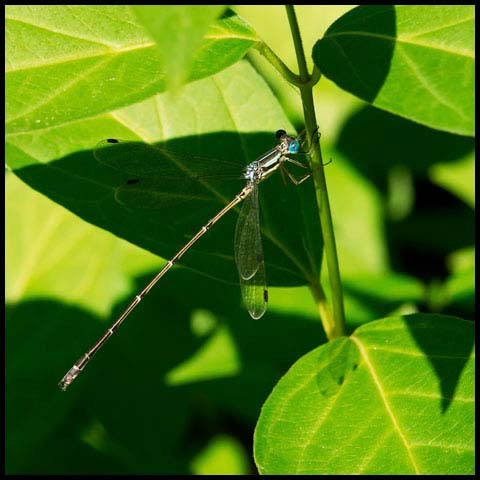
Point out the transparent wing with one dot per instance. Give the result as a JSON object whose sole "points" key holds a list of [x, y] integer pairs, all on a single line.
{"points": [[144, 160], [148, 194], [249, 257], [254, 293], [248, 242], [157, 177]]}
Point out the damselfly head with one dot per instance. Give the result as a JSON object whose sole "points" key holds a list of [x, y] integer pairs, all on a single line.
{"points": [[288, 144], [293, 146]]}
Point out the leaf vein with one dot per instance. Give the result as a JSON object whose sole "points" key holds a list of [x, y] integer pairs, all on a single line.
{"points": [[397, 41], [54, 94], [383, 396], [423, 80]]}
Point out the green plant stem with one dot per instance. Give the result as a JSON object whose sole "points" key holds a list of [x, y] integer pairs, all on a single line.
{"points": [[336, 327], [277, 63]]}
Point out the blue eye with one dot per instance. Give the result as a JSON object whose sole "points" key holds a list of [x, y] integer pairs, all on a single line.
{"points": [[294, 146]]}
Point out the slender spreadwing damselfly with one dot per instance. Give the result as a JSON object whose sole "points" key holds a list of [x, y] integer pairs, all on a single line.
{"points": [[248, 248]]}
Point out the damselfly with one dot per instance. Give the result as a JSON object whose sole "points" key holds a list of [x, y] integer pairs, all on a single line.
{"points": [[247, 246]]}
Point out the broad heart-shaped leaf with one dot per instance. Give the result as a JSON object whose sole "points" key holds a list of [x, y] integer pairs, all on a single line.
{"points": [[177, 29], [230, 116], [65, 63], [396, 397], [414, 61]]}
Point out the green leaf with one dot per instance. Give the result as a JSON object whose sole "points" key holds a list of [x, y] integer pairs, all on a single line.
{"points": [[71, 62], [459, 289], [414, 61], [204, 120], [397, 397], [50, 255], [363, 252], [217, 357], [375, 296], [366, 296], [179, 29], [224, 455], [462, 260], [457, 177]]}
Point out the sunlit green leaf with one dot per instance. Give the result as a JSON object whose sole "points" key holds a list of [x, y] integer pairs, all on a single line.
{"points": [[457, 177], [459, 289], [414, 61], [65, 63], [397, 397], [217, 357], [223, 455], [179, 29]]}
